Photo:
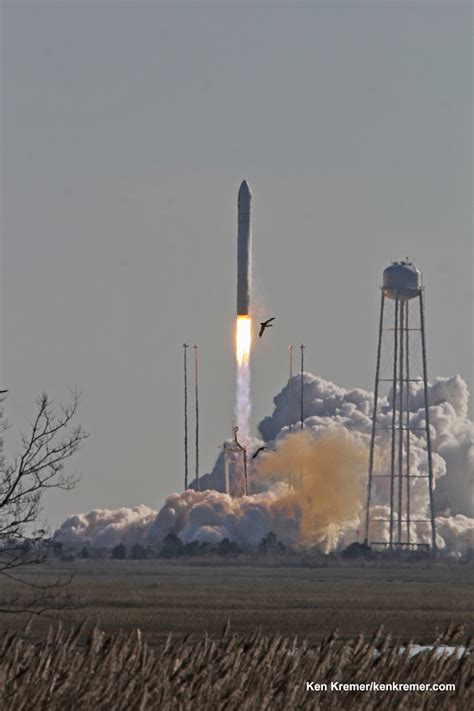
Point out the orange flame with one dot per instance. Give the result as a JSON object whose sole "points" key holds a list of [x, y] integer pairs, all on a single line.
{"points": [[243, 339]]}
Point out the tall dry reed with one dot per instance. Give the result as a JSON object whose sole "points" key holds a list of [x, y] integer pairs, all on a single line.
{"points": [[93, 670]]}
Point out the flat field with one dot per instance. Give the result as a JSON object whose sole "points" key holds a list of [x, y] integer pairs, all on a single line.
{"points": [[411, 602]]}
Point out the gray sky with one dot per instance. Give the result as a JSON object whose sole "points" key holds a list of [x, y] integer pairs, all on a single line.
{"points": [[126, 130]]}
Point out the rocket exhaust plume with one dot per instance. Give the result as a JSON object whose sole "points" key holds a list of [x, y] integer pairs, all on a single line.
{"points": [[244, 324], [326, 508], [242, 404], [330, 489]]}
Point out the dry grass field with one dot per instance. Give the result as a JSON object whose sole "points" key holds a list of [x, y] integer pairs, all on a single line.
{"points": [[257, 672], [281, 619], [158, 597]]}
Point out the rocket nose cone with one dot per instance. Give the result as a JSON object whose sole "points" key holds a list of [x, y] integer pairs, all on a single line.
{"points": [[244, 189]]}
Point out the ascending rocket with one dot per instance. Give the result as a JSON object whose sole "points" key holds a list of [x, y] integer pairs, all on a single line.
{"points": [[243, 250]]}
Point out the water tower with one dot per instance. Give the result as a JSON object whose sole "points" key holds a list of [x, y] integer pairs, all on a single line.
{"points": [[399, 325]]}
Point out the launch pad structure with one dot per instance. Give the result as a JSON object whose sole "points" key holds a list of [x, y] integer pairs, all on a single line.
{"points": [[234, 448]]}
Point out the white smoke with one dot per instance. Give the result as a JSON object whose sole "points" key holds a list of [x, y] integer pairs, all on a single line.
{"points": [[452, 434], [242, 400], [204, 516], [107, 527], [212, 516], [455, 533]]}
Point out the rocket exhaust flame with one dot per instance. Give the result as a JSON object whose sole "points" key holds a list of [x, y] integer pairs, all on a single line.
{"points": [[243, 339], [242, 352]]}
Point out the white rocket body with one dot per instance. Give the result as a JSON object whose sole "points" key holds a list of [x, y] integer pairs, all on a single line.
{"points": [[243, 250]]}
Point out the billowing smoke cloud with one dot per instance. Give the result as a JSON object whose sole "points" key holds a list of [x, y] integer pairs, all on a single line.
{"points": [[311, 490], [452, 434], [327, 479], [212, 516], [455, 533], [325, 404], [108, 527]]}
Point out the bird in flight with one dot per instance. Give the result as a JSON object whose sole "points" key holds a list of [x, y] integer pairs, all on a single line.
{"points": [[265, 324], [261, 449]]}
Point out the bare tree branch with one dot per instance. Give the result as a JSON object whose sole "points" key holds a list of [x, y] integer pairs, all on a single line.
{"points": [[51, 442]]}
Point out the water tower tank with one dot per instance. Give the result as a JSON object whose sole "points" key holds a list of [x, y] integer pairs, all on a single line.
{"points": [[402, 278]]}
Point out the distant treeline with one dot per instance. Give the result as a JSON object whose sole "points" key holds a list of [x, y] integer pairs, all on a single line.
{"points": [[171, 547], [269, 547]]}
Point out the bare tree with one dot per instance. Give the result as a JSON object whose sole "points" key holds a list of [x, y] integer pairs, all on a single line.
{"points": [[50, 443]]}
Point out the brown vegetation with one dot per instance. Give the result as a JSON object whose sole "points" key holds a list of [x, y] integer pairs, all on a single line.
{"points": [[122, 671], [163, 596]]}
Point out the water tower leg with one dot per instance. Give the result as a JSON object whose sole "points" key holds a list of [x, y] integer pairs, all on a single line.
{"points": [[427, 420], [407, 406], [394, 412], [400, 420], [374, 420]]}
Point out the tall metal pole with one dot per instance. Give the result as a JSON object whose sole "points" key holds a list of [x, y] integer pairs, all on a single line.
{"points": [[302, 394], [407, 406], [290, 388], [245, 473], [400, 421], [427, 420], [374, 419], [394, 410], [185, 348], [226, 471], [196, 398], [302, 404]]}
